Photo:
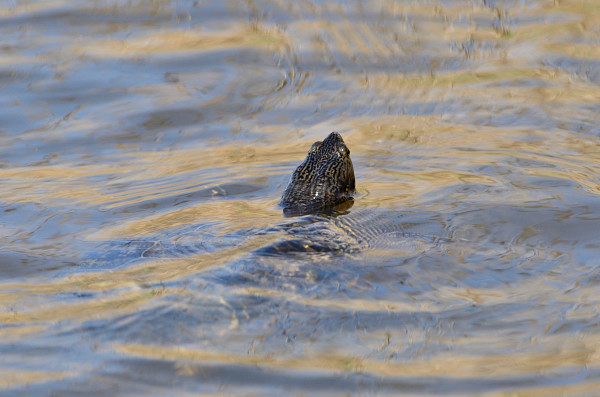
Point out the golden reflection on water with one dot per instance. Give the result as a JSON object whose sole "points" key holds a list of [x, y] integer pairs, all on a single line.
{"points": [[178, 41], [161, 122], [131, 276], [140, 171], [10, 379], [559, 355]]}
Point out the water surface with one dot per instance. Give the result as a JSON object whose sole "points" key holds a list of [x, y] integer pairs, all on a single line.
{"points": [[144, 147]]}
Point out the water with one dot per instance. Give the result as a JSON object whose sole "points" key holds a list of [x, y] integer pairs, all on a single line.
{"points": [[144, 147]]}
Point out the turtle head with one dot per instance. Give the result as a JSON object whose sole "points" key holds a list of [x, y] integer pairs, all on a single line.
{"points": [[325, 179]]}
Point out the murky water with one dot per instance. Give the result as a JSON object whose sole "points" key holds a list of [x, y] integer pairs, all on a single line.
{"points": [[144, 146]]}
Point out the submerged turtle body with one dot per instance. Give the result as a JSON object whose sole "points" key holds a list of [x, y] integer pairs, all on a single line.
{"points": [[323, 181], [321, 187]]}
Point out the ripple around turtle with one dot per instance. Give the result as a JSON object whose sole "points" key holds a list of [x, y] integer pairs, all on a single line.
{"points": [[308, 238]]}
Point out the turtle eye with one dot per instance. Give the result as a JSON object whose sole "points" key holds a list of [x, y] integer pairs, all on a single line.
{"points": [[343, 150]]}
